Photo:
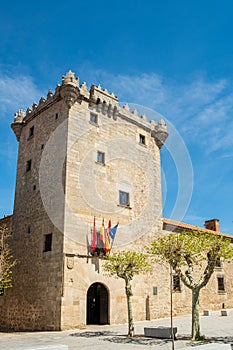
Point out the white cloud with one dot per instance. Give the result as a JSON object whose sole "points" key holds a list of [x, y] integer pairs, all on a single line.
{"points": [[17, 92], [227, 155], [141, 89], [192, 218], [200, 109]]}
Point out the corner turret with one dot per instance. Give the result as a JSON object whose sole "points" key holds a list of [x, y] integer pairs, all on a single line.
{"points": [[160, 133], [69, 89], [18, 123]]}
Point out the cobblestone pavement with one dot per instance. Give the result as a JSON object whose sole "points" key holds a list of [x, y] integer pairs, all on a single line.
{"points": [[217, 329]]}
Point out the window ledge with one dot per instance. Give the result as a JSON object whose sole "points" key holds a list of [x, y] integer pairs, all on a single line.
{"points": [[124, 206], [222, 292], [103, 164], [142, 144], [94, 124]]}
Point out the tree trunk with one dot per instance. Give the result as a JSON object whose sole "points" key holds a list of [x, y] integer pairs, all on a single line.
{"points": [[195, 314], [129, 294]]}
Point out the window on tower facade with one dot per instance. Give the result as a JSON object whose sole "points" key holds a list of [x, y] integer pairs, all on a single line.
{"points": [[100, 157], [142, 139], [94, 118], [124, 198], [48, 242], [31, 131], [29, 165]]}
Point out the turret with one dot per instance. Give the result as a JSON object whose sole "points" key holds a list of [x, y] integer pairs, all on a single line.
{"points": [[18, 123], [70, 88]]}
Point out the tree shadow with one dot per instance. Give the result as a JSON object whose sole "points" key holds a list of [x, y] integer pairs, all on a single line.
{"points": [[223, 340], [140, 339], [208, 340], [90, 334], [137, 340], [113, 337]]}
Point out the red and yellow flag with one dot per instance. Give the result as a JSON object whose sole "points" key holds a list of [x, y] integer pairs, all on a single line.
{"points": [[106, 242], [94, 237]]}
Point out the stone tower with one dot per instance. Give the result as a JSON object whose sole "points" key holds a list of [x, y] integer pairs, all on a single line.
{"points": [[81, 156]]}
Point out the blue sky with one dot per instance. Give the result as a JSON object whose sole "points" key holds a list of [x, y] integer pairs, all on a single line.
{"points": [[175, 57]]}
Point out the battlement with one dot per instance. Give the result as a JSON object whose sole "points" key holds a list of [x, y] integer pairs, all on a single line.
{"points": [[100, 100], [97, 94]]}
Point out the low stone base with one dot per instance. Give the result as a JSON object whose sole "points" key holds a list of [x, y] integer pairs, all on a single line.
{"points": [[159, 332], [206, 313], [224, 312]]}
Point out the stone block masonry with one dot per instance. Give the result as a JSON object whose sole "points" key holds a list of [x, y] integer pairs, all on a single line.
{"points": [[79, 154]]}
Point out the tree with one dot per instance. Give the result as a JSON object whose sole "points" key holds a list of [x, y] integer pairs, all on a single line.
{"points": [[193, 256], [6, 260], [125, 265]]}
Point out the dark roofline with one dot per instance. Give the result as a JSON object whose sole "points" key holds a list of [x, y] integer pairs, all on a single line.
{"points": [[176, 226]]}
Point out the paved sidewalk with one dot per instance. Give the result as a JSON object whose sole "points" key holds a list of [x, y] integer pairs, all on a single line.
{"points": [[218, 329]]}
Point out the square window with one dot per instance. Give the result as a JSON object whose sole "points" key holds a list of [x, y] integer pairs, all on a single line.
{"points": [[94, 118], [101, 157], [142, 139], [176, 283], [29, 165], [124, 198], [31, 131], [221, 286], [218, 263], [48, 242]]}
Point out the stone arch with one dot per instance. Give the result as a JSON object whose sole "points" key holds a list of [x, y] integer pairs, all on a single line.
{"points": [[97, 304]]}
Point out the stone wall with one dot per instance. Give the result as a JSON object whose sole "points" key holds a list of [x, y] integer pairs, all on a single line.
{"points": [[34, 301], [61, 186], [92, 190]]}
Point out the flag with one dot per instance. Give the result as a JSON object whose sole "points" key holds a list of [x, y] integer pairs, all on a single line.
{"points": [[109, 225], [94, 238], [107, 247], [112, 231], [102, 231], [100, 244], [106, 242]]}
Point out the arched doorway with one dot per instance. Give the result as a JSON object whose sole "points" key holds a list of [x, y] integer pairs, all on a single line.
{"points": [[97, 304]]}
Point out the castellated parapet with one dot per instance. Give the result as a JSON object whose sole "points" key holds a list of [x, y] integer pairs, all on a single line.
{"points": [[98, 100]]}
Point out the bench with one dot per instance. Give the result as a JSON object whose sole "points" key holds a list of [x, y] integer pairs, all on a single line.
{"points": [[159, 332]]}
